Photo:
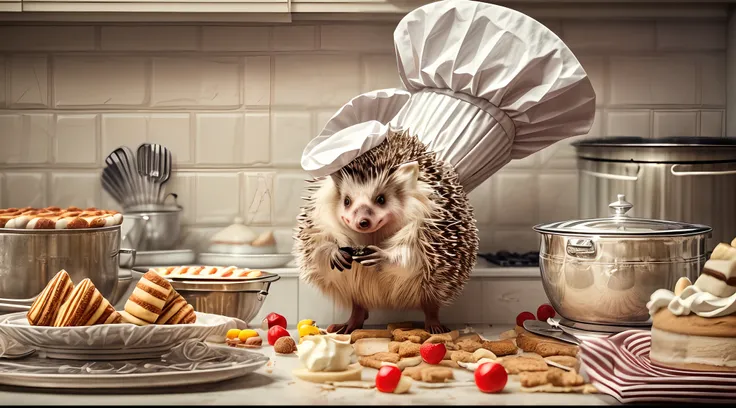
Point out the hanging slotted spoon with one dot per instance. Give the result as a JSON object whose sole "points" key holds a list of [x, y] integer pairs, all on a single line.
{"points": [[123, 160], [154, 163]]}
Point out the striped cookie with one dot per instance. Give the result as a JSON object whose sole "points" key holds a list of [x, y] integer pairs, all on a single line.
{"points": [[177, 311], [46, 306], [149, 297], [128, 318], [82, 304]]}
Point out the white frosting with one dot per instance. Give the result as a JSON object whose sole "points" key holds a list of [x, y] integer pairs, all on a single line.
{"points": [[325, 353], [692, 300]]}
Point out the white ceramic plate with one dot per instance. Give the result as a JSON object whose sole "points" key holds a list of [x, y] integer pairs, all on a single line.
{"points": [[114, 338], [164, 258], [188, 363], [252, 261]]}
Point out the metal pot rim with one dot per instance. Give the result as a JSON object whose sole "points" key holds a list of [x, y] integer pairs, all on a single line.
{"points": [[215, 285], [550, 229], [167, 210], [60, 231]]}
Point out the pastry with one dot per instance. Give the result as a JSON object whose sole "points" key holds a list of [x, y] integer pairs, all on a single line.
{"points": [[58, 218], [695, 328], [176, 310], [86, 307], [44, 309], [148, 299], [208, 272], [326, 358]]}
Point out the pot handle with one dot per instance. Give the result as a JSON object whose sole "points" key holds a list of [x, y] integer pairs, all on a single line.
{"points": [[132, 257], [610, 176], [12, 308], [262, 295], [715, 169]]}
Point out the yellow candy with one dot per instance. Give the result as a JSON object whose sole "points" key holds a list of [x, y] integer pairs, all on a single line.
{"points": [[246, 334], [232, 334], [307, 322], [307, 330]]}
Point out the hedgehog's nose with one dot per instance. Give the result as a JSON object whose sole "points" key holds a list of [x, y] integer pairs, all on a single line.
{"points": [[364, 223]]}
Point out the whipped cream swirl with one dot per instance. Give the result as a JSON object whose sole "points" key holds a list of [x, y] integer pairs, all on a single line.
{"points": [[692, 300], [325, 353]]}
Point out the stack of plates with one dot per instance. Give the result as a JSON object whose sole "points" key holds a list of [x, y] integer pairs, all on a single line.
{"points": [[620, 366]]}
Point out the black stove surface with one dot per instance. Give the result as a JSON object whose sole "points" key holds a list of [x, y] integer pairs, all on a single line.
{"points": [[511, 259]]}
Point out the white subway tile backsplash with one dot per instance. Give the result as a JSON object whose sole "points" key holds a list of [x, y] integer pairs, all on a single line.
{"points": [[257, 81], [712, 80], [481, 199], [182, 184], [216, 197], [25, 38], [288, 192], [561, 155], [628, 123], [315, 80], [75, 189], [25, 189], [257, 138], [294, 38], [380, 73], [2, 190], [711, 123], [691, 36], [148, 38], [684, 123], [595, 67], [258, 198], [358, 37], [29, 83], [512, 204], [223, 38], [604, 36], [75, 139], [2, 81], [25, 139], [503, 299], [659, 81], [104, 82], [219, 138], [181, 82], [283, 298], [123, 130], [315, 305], [465, 308], [559, 196], [173, 131], [290, 133]]}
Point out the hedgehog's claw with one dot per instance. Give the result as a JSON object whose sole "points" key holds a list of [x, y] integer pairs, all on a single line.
{"points": [[437, 329]]}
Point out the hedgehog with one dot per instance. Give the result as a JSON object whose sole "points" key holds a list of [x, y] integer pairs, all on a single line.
{"points": [[393, 229]]}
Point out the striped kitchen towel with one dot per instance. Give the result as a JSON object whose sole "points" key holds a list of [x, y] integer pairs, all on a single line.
{"points": [[619, 366]]}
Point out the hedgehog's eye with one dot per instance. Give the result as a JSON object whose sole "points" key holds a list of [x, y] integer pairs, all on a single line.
{"points": [[381, 199], [347, 201]]}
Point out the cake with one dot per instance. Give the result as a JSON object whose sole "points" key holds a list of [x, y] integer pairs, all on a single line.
{"points": [[694, 327], [46, 306]]}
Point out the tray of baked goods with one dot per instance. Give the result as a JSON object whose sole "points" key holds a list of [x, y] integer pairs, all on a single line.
{"points": [[211, 273], [58, 218]]}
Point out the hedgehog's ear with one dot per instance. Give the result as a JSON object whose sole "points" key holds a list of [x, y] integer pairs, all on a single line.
{"points": [[336, 178], [408, 174]]}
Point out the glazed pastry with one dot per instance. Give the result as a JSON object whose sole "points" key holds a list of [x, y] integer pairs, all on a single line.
{"points": [[86, 307], [44, 309], [176, 311], [148, 299], [58, 218]]}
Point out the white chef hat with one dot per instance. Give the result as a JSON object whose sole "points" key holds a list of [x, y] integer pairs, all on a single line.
{"points": [[488, 84], [357, 127]]}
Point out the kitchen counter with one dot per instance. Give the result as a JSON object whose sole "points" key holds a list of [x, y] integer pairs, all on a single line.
{"points": [[279, 387]]}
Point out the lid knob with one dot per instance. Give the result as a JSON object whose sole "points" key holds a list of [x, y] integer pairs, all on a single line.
{"points": [[620, 207]]}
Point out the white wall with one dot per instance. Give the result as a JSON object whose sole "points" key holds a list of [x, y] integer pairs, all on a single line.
{"points": [[237, 104]]}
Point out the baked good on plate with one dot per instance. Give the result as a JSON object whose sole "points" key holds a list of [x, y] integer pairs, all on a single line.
{"points": [[207, 272], [86, 307], [148, 299], [326, 358], [239, 239], [44, 309], [694, 327], [58, 218]]}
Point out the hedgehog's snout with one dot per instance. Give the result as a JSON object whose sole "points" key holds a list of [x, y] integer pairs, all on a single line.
{"points": [[365, 223]]}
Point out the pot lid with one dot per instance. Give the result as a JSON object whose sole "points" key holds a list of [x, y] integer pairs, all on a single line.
{"points": [[620, 224], [683, 149]]}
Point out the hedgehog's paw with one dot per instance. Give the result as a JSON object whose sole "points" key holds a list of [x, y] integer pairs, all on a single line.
{"points": [[370, 256], [436, 329]]}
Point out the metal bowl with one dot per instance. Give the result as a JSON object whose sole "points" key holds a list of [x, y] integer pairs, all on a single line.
{"points": [[241, 299], [603, 271]]}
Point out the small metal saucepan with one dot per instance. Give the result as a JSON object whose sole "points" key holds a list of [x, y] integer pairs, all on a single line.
{"points": [[603, 271]]}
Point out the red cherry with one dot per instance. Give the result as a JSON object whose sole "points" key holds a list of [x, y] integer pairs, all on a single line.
{"points": [[545, 311], [273, 319], [524, 316], [275, 333], [491, 377], [388, 378], [433, 353]]}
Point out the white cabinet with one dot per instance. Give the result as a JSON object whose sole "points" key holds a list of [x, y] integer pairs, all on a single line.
{"points": [[158, 6], [10, 5]]}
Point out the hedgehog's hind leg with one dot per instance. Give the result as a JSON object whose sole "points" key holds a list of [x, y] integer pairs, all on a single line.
{"points": [[432, 318], [357, 317]]}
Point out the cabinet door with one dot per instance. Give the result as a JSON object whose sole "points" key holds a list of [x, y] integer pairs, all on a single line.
{"points": [[10, 5], [158, 6]]}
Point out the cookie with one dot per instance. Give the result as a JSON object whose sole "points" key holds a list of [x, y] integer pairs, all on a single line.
{"points": [[368, 347], [401, 325], [462, 356], [409, 349], [369, 334], [376, 360], [429, 373], [554, 376], [284, 345], [444, 338], [566, 361], [543, 346], [413, 335], [516, 365]]}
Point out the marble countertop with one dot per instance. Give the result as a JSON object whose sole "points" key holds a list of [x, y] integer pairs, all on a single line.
{"points": [[278, 387]]}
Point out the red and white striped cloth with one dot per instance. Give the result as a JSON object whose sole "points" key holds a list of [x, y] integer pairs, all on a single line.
{"points": [[619, 366]]}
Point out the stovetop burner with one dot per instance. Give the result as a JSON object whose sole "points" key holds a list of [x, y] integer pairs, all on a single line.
{"points": [[512, 259]]}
